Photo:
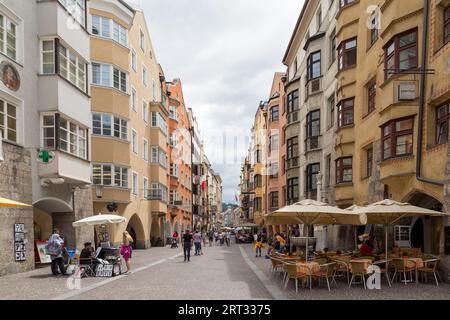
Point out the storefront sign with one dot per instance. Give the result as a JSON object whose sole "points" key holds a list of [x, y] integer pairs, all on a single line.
{"points": [[19, 242], [9, 75], [406, 91], [104, 270]]}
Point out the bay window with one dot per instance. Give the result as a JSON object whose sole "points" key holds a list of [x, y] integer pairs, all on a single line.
{"points": [[109, 76], [346, 112], [8, 37], [292, 190], [312, 130], [293, 101], [347, 52], [108, 125], [442, 123], [77, 8], [158, 192], [397, 138], [312, 171], [71, 67], [109, 175], [159, 122], [110, 29], [173, 113], [344, 170], [401, 53], [48, 56], [8, 121], [159, 156]]}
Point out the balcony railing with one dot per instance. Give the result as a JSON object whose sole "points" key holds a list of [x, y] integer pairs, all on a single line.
{"points": [[313, 86]]}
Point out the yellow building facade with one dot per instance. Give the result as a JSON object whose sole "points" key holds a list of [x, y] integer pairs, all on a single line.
{"points": [[129, 141]]}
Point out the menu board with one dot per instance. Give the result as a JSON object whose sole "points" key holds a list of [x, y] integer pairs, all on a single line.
{"points": [[19, 242]]}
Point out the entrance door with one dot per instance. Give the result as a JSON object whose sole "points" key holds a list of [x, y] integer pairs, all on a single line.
{"points": [[417, 238]]}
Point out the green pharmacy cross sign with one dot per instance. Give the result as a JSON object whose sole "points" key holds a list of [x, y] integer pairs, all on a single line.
{"points": [[45, 156]]}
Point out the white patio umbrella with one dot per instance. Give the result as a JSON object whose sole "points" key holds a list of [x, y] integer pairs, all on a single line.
{"points": [[99, 220], [310, 212], [388, 212]]}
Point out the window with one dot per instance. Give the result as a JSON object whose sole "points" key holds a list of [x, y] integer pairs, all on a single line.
{"points": [[102, 175], [273, 169], [312, 171], [159, 122], [371, 96], [120, 80], [442, 123], [158, 192], [135, 184], [145, 151], [447, 24], [8, 37], [72, 67], [333, 47], [345, 112], [369, 162], [258, 181], [328, 171], [292, 148], [319, 18], [174, 170], [144, 76], [142, 41], [72, 138], [258, 156], [77, 8], [344, 170], [313, 124], [159, 156], [292, 190], [102, 125], [314, 69], [133, 100], [108, 28], [373, 33], [258, 204], [274, 142], [331, 108], [347, 53], [274, 113], [397, 138], [145, 186], [48, 56], [173, 113], [8, 121], [101, 74], [48, 129], [274, 200], [401, 53], [134, 143], [133, 60], [292, 101]]}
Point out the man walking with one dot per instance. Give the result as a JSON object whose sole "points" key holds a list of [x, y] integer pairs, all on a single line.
{"points": [[187, 244], [197, 243], [211, 237]]}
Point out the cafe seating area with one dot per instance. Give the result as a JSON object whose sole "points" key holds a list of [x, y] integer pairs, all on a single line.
{"points": [[332, 270]]}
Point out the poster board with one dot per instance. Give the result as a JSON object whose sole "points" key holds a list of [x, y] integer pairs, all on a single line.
{"points": [[42, 252], [104, 270], [19, 242]]}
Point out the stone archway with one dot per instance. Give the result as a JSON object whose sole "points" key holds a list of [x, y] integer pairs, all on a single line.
{"points": [[136, 229], [423, 229], [155, 232]]}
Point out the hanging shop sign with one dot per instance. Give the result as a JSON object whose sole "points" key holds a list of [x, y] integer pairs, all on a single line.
{"points": [[10, 76], [19, 242]]}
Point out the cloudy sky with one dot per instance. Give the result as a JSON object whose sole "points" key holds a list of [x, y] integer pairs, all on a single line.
{"points": [[225, 53]]}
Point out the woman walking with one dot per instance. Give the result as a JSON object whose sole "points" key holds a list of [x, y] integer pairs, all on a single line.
{"points": [[126, 250]]}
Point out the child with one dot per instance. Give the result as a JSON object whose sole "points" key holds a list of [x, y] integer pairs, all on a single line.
{"points": [[258, 246]]}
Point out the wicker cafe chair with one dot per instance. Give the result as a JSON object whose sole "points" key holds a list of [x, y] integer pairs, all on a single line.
{"points": [[358, 270], [327, 271], [384, 269], [293, 273], [321, 260], [342, 269], [430, 266], [401, 267], [277, 264]]}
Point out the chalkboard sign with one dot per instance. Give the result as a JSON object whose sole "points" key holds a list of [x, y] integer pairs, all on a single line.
{"points": [[104, 270], [19, 242], [447, 240]]}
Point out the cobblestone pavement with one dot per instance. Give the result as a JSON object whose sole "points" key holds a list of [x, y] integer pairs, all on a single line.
{"points": [[398, 291], [221, 273]]}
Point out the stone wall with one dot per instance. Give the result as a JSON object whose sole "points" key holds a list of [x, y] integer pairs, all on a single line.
{"points": [[83, 208], [15, 184]]}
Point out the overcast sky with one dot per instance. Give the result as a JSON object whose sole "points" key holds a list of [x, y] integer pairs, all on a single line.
{"points": [[225, 53]]}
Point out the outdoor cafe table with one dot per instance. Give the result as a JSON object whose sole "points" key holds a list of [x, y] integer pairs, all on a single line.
{"points": [[308, 267]]}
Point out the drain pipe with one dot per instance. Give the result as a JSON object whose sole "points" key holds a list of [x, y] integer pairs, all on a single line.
{"points": [[423, 78]]}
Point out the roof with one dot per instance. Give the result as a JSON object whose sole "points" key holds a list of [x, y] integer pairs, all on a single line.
{"points": [[291, 41]]}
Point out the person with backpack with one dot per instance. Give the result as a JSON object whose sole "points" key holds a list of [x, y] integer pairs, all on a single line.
{"points": [[54, 249]]}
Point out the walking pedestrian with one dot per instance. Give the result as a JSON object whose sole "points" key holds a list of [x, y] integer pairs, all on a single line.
{"points": [[197, 243], [221, 238], [211, 237], [54, 248], [228, 238], [126, 250], [187, 244], [216, 236]]}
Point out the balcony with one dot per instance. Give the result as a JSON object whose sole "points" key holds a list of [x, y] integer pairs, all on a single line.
{"points": [[55, 20], [70, 168]]}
